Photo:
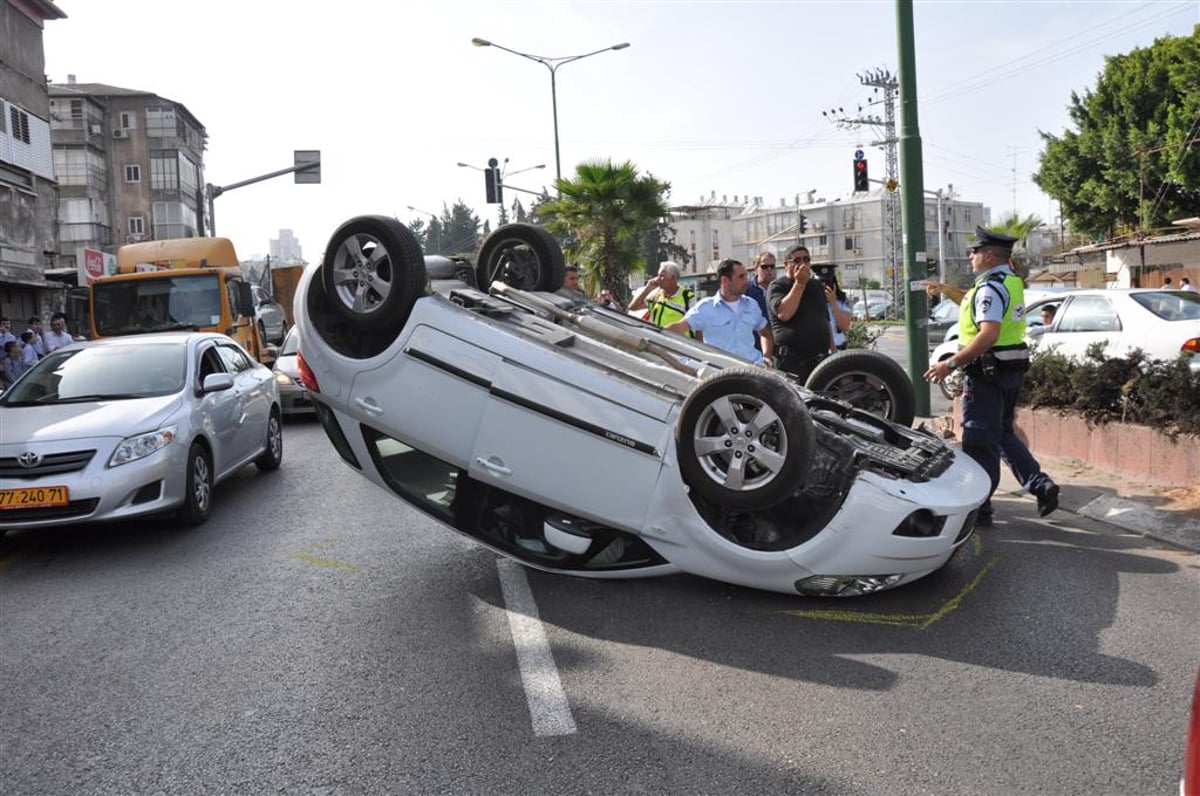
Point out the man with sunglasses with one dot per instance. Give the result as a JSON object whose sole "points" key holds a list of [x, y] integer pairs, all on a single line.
{"points": [[994, 358], [764, 274], [799, 318]]}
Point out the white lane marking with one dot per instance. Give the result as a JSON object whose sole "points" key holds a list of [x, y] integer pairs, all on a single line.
{"points": [[548, 707]]}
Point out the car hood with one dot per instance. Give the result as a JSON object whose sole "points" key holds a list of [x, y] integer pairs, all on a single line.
{"points": [[57, 422]]}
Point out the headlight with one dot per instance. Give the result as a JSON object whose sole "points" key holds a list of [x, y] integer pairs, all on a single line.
{"points": [[134, 448], [282, 378]]}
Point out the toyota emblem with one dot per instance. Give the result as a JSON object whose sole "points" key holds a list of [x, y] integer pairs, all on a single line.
{"points": [[29, 459]]}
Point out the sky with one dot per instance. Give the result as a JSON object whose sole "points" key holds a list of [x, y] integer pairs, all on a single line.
{"points": [[715, 98]]}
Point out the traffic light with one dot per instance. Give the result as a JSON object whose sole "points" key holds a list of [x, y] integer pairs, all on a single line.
{"points": [[803, 223], [492, 185], [861, 181]]}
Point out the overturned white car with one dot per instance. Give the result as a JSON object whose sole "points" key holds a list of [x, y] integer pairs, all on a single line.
{"points": [[579, 440]]}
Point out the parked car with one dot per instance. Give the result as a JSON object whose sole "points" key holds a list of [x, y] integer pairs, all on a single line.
{"points": [[872, 310], [1162, 323], [293, 396], [942, 318], [579, 440], [269, 315], [128, 426]]}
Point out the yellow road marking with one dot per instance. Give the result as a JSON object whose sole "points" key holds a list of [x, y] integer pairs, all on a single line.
{"points": [[321, 561], [919, 621]]}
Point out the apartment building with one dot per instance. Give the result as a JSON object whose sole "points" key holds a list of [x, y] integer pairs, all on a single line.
{"points": [[130, 167], [850, 231], [28, 191]]}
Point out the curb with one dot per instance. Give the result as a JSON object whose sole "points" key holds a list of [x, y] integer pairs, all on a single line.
{"points": [[1088, 500]]}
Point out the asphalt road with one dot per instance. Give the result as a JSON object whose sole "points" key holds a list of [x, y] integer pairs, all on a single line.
{"points": [[319, 637]]}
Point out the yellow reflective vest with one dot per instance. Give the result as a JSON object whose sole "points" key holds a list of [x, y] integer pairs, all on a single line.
{"points": [[663, 311], [1011, 291]]}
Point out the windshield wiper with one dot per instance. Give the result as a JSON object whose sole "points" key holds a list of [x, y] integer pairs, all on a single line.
{"points": [[110, 396]]}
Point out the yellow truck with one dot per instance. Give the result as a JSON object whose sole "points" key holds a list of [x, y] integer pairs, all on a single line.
{"points": [[185, 283]]}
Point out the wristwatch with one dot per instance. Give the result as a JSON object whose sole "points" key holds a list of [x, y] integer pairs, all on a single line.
{"points": [[951, 364]]}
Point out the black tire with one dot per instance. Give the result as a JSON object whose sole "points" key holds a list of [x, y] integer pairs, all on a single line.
{"points": [[373, 273], [722, 453], [867, 380], [272, 455], [198, 502], [523, 256]]}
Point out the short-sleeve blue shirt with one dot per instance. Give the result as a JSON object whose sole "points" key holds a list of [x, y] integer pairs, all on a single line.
{"points": [[727, 328]]}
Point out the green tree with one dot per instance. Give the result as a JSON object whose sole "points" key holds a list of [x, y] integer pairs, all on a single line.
{"points": [[603, 213], [1133, 160], [658, 244], [460, 229]]}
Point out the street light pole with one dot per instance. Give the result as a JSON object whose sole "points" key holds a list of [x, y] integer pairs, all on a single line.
{"points": [[552, 64]]}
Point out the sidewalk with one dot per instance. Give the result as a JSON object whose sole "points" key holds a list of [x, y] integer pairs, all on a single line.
{"points": [[1168, 514]]}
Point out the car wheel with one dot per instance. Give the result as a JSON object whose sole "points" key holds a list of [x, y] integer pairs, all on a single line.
{"points": [[373, 273], [272, 455], [745, 439], [951, 386], [523, 256], [198, 500], [867, 380]]}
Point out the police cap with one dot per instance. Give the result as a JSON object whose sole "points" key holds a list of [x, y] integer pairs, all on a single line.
{"points": [[985, 237]]}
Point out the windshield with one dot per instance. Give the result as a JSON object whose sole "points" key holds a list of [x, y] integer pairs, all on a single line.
{"points": [[159, 304], [97, 373], [1171, 305], [291, 344]]}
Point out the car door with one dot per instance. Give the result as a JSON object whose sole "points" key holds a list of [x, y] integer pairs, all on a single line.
{"points": [[1080, 322], [253, 401], [220, 412]]}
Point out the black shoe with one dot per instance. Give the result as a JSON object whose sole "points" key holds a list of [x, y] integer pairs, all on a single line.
{"points": [[1048, 502]]}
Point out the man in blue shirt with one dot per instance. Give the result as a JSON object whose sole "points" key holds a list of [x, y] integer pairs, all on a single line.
{"points": [[730, 319]]}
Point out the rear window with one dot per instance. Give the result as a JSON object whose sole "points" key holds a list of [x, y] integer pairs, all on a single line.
{"points": [[1172, 306]]}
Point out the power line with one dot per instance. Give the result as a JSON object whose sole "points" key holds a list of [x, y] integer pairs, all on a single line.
{"points": [[1056, 52]]}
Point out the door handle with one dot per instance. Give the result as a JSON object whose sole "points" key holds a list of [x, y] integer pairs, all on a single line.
{"points": [[493, 467]]}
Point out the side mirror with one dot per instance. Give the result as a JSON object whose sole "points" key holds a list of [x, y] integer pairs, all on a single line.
{"points": [[216, 382], [245, 300]]}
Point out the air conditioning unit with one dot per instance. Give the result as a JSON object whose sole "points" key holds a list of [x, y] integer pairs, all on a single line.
{"points": [[120, 133], [134, 238]]}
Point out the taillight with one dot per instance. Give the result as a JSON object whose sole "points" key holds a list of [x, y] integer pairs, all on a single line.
{"points": [[1191, 346], [306, 375]]}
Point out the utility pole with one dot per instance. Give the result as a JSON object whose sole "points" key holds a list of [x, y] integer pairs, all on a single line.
{"points": [[883, 80], [913, 186]]}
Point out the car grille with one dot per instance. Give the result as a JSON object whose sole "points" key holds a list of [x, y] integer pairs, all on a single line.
{"points": [[76, 508], [51, 464]]}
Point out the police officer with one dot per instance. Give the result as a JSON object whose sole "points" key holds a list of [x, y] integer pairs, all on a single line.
{"points": [[666, 300], [994, 358]]}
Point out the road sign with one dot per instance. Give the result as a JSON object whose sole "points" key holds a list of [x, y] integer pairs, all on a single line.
{"points": [[308, 165]]}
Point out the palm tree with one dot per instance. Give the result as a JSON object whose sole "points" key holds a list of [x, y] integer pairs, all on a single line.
{"points": [[1020, 228], [603, 214]]}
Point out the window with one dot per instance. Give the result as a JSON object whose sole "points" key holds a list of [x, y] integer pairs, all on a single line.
{"points": [[235, 360], [164, 169], [853, 242], [137, 226], [127, 120], [173, 220], [18, 123], [133, 173], [1088, 314], [160, 121]]}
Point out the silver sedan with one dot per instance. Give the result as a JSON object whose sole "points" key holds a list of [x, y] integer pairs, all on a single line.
{"points": [[129, 426]]}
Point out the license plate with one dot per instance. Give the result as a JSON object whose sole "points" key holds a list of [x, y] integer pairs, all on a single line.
{"points": [[33, 497]]}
